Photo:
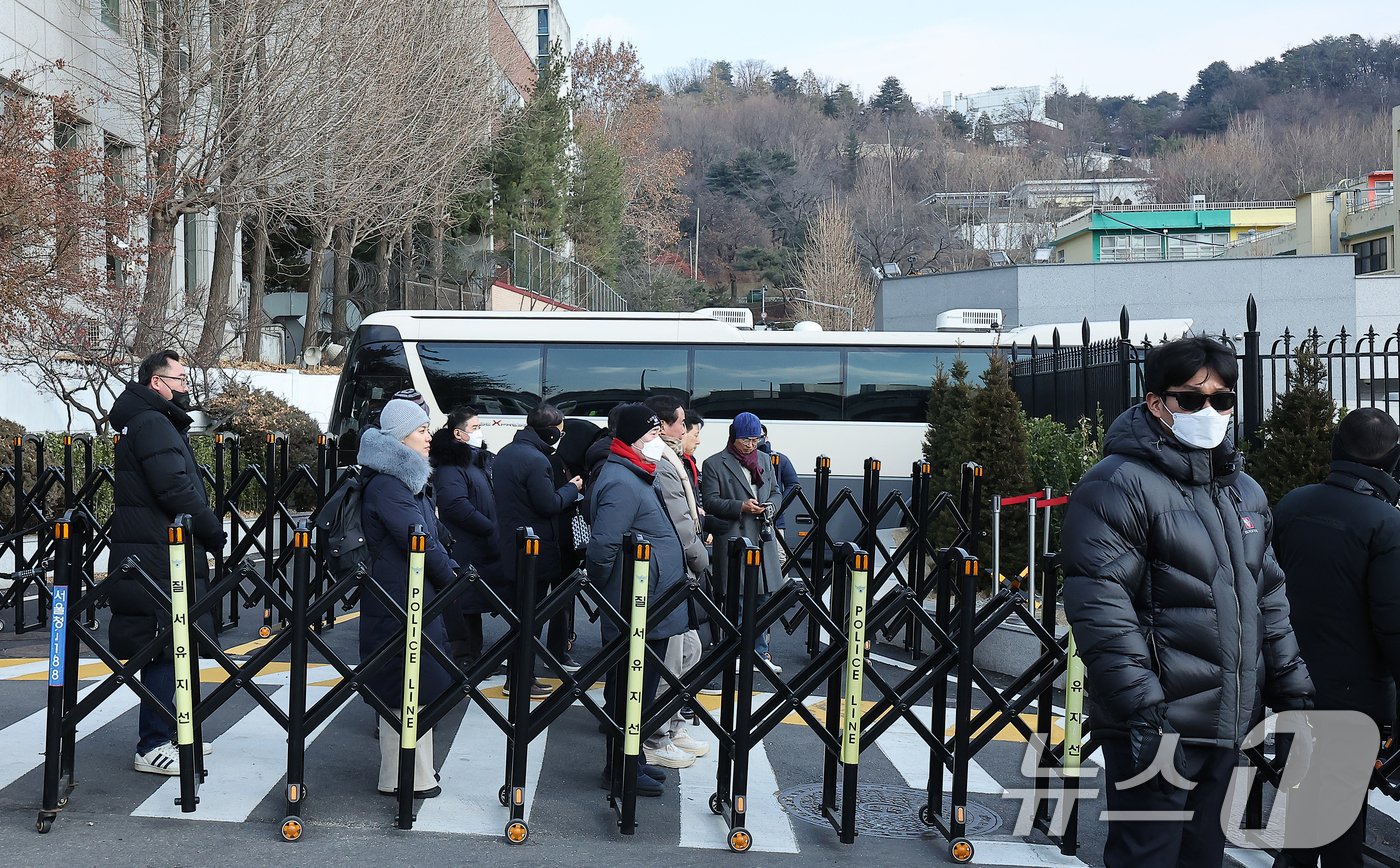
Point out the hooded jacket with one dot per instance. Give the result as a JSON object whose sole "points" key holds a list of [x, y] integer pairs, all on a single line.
{"points": [[1339, 543], [156, 479], [395, 499], [1172, 589], [527, 496], [467, 507], [625, 498]]}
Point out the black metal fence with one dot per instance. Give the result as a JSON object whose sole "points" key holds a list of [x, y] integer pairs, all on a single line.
{"points": [[1073, 382]]}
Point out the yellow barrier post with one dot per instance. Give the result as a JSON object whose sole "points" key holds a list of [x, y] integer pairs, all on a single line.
{"points": [[412, 662], [183, 650]]}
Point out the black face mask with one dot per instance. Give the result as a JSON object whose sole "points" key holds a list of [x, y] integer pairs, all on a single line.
{"points": [[549, 434], [180, 399]]}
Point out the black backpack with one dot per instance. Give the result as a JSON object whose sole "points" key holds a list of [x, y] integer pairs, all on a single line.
{"points": [[341, 527]]}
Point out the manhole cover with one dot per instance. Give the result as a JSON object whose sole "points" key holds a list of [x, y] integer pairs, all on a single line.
{"points": [[883, 811]]}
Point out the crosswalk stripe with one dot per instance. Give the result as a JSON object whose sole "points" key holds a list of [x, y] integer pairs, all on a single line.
{"points": [[38, 668], [24, 739], [1021, 854], [765, 819], [472, 773], [249, 760], [1250, 858], [909, 754]]}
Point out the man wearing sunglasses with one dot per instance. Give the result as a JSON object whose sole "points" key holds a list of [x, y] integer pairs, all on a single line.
{"points": [[1178, 608]]}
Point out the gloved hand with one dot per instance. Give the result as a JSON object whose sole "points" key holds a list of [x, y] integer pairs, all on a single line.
{"points": [[1146, 732], [1294, 738]]}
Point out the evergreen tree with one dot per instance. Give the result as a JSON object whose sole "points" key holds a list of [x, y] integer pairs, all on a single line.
{"points": [[945, 442], [891, 99], [783, 83], [1296, 439], [596, 204], [996, 439], [983, 134]]}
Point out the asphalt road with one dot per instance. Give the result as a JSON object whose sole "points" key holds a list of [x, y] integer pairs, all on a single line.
{"points": [[117, 816]]}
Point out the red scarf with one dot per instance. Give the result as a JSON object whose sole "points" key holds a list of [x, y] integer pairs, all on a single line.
{"points": [[626, 451], [750, 463]]}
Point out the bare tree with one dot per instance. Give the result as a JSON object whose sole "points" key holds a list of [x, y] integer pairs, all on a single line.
{"points": [[830, 273]]}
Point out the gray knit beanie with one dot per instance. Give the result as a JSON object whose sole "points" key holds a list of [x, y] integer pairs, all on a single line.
{"points": [[401, 417]]}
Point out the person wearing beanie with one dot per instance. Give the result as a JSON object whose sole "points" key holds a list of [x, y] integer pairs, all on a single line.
{"points": [[528, 494], [395, 458], [1338, 542], [626, 498], [738, 485]]}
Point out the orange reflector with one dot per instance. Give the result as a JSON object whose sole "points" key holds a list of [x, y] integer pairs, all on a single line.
{"points": [[977, 471], [271, 438], [292, 793], [875, 465], [322, 440], [418, 543], [532, 546], [825, 462], [302, 540], [60, 530], [177, 535], [862, 561], [970, 567], [520, 795], [925, 467], [961, 818], [19, 441], [802, 533], [739, 804]]}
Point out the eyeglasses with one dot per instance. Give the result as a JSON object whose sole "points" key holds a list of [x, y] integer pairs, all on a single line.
{"points": [[182, 379], [752, 441], [1221, 402]]}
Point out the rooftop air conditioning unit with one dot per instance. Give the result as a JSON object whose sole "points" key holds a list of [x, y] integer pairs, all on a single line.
{"points": [[968, 320], [739, 317]]}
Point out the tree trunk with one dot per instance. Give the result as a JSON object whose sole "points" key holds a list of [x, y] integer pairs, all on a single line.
{"points": [[341, 286], [383, 253], [211, 339], [150, 326], [409, 270], [313, 290], [257, 284]]}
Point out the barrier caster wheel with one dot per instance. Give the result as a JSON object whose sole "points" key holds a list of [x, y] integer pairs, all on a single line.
{"points": [[924, 816], [291, 829], [264, 632], [517, 832], [504, 795], [716, 806], [961, 850], [740, 840], [44, 825], [93, 624], [63, 801]]}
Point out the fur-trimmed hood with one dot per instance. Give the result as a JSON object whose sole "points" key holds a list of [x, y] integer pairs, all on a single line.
{"points": [[379, 451]]}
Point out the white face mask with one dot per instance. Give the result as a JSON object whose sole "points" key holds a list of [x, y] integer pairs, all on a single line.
{"points": [[653, 449], [1204, 429], [477, 439]]}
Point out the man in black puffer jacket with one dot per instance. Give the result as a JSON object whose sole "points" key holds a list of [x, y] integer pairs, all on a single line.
{"points": [[1339, 543], [156, 480], [1177, 606]]}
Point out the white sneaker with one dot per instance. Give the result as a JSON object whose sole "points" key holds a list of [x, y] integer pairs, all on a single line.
{"points": [[162, 760], [777, 670], [669, 756], [208, 748], [682, 739]]}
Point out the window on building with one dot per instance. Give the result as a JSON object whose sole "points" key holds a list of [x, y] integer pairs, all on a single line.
{"points": [[1130, 247], [112, 13], [1196, 245], [542, 18], [1371, 256]]}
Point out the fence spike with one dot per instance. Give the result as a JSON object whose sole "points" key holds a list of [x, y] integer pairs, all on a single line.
{"points": [[1251, 314], [1123, 323], [1084, 332], [1055, 340]]}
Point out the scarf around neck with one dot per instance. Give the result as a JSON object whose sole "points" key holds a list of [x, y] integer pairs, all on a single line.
{"points": [[624, 451], [749, 461]]}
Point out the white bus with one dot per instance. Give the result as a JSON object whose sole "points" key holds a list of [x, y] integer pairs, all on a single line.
{"points": [[847, 395]]}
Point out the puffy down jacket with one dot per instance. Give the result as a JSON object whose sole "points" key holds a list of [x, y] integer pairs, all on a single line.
{"points": [[1172, 589]]}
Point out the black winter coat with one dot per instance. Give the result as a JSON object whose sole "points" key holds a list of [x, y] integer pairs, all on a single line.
{"points": [[395, 499], [156, 479], [1340, 546], [527, 496], [466, 506], [1172, 589], [626, 499]]}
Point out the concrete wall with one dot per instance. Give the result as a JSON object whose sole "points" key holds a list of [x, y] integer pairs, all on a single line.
{"points": [[1297, 292], [1378, 304], [313, 393]]}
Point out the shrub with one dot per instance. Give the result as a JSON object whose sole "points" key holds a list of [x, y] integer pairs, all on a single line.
{"points": [[252, 414], [1295, 441], [1059, 456]]}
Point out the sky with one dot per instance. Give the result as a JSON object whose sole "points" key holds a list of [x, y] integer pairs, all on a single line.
{"points": [[1106, 49]]}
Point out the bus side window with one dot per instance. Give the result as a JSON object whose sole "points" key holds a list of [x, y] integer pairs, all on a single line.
{"points": [[373, 373], [774, 383]]}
